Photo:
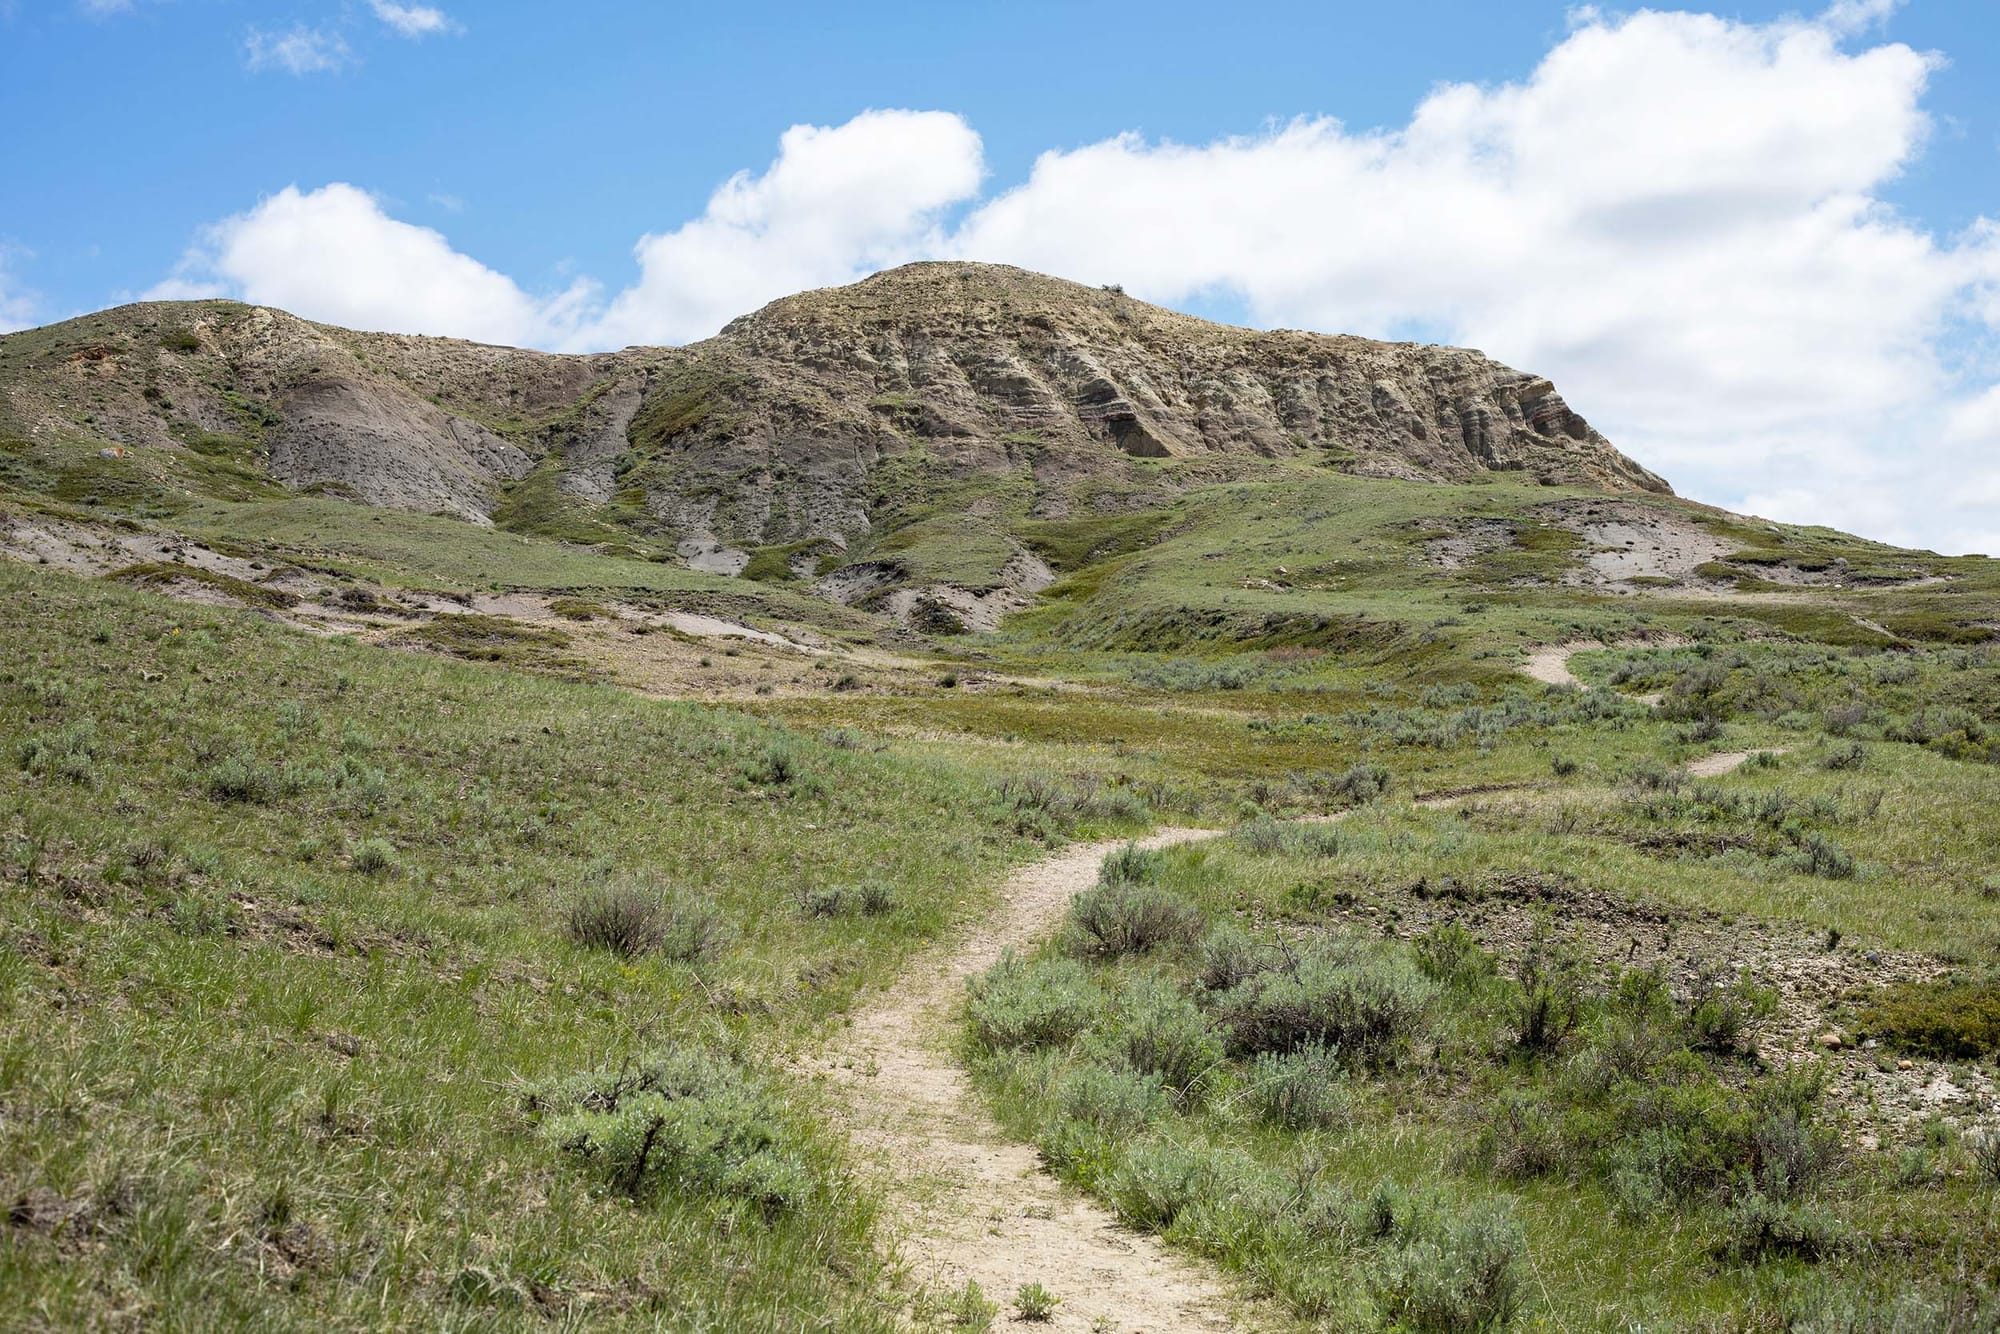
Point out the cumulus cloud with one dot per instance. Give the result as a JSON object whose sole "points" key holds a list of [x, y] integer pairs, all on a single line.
{"points": [[413, 20], [837, 204], [298, 50], [1679, 217], [333, 254], [18, 306], [1676, 216]]}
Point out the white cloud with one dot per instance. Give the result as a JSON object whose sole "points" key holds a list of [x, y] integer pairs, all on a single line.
{"points": [[18, 306], [837, 203], [98, 9], [413, 20], [1678, 217], [333, 254], [298, 50], [1848, 17]]}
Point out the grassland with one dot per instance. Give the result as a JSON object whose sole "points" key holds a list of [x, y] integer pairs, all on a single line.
{"points": [[286, 956], [346, 986]]}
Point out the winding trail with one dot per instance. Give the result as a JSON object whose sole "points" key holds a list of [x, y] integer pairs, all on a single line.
{"points": [[965, 1201]]}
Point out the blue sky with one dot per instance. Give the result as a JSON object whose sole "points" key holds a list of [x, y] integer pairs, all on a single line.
{"points": [[1782, 295]]}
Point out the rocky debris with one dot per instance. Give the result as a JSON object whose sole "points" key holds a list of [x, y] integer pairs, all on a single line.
{"points": [[1883, 1099]]}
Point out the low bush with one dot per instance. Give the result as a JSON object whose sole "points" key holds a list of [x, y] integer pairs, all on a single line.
{"points": [[1363, 783], [69, 753], [373, 856], [684, 1122], [1112, 1098], [1760, 1228], [1303, 1089], [623, 918], [1046, 1003], [241, 778], [1821, 856], [1229, 956], [1157, 1179], [1450, 955], [1267, 837], [1118, 916], [1366, 1000], [1955, 1019], [1160, 1032], [1465, 1277]]}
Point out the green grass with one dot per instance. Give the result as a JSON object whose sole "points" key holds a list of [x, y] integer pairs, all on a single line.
{"points": [[1451, 1145], [285, 952]]}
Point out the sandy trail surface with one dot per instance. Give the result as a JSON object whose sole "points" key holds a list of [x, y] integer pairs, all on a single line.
{"points": [[1728, 761], [968, 1204]]}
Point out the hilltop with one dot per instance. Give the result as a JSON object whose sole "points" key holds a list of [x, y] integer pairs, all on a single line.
{"points": [[782, 427]]}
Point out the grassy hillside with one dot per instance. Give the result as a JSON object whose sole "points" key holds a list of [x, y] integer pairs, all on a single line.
{"points": [[387, 943], [289, 990]]}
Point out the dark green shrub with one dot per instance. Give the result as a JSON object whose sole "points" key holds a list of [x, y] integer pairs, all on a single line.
{"points": [[623, 918], [1550, 1001], [1365, 1000], [1117, 917], [1449, 954], [1723, 1014], [1046, 1003], [1956, 1019]]}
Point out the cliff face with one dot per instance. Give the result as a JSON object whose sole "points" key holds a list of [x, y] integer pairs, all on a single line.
{"points": [[783, 427]]}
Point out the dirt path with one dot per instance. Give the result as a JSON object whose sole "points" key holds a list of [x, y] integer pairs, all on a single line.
{"points": [[1727, 761], [968, 1203]]}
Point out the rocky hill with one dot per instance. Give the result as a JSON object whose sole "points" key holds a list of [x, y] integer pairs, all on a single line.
{"points": [[779, 428]]}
